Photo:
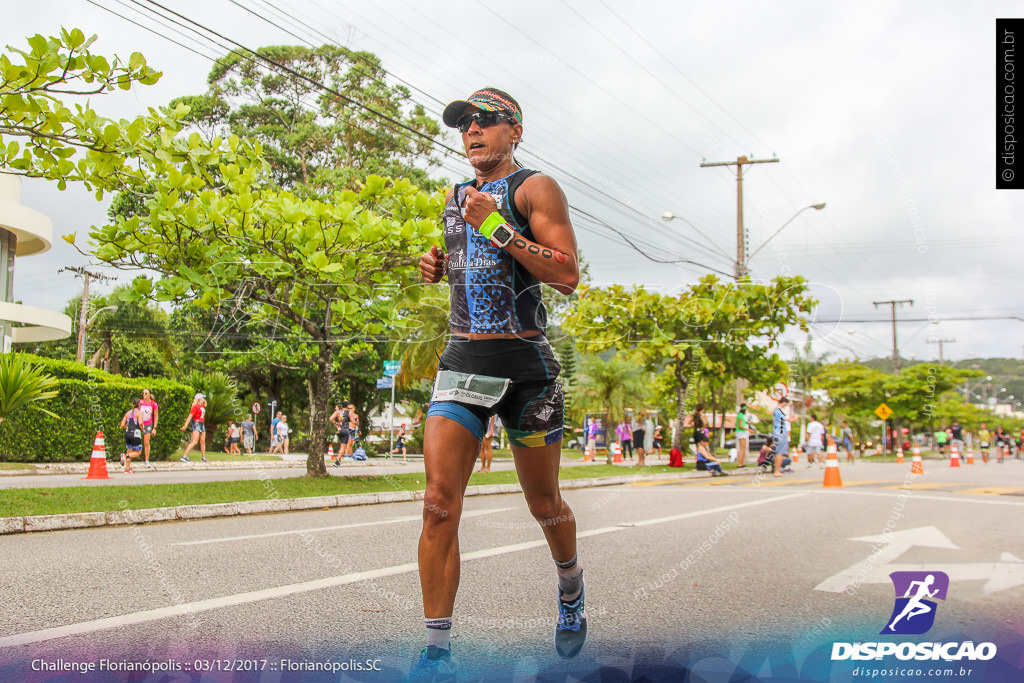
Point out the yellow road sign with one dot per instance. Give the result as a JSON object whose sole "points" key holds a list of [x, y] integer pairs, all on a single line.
{"points": [[883, 411]]}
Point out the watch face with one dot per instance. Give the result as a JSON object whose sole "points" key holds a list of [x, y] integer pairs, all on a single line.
{"points": [[502, 235]]}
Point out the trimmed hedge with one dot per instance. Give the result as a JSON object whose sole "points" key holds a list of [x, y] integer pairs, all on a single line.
{"points": [[89, 401]]}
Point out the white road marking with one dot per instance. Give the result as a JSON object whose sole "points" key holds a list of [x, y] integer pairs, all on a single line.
{"points": [[329, 582], [912, 495], [892, 546], [393, 520], [1007, 573]]}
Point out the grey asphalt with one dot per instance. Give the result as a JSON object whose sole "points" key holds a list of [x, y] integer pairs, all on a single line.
{"points": [[706, 574]]}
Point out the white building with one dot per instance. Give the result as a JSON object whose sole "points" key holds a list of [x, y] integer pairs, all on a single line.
{"points": [[23, 232]]}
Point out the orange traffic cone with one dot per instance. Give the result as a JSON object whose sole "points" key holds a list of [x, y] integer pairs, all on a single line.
{"points": [[616, 452], [588, 454], [970, 455], [878, 448], [330, 451], [98, 461], [899, 455], [832, 478], [954, 456], [796, 454], [917, 465]]}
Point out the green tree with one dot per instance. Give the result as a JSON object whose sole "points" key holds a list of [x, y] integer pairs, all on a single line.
{"points": [[735, 328], [324, 275], [313, 138], [41, 137]]}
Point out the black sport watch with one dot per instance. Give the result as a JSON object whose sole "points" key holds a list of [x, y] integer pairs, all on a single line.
{"points": [[502, 235]]}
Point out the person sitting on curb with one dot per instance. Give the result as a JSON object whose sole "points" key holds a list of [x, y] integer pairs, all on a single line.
{"points": [[711, 463]]}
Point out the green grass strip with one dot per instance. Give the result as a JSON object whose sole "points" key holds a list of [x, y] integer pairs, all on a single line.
{"points": [[53, 501]]}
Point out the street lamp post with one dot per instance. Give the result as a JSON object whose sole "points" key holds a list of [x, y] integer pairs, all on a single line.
{"points": [[741, 258], [816, 207]]}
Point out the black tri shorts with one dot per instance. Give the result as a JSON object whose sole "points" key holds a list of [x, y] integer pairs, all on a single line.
{"points": [[531, 409]]}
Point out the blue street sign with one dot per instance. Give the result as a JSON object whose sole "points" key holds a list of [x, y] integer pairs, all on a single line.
{"points": [[385, 382]]}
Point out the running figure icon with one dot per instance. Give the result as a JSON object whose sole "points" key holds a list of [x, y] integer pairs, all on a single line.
{"points": [[916, 606], [916, 596]]}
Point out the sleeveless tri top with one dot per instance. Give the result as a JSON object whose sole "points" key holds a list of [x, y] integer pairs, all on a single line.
{"points": [[491, 292]]}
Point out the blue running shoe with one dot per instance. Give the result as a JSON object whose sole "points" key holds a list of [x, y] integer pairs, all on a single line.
{"points": [[435, 665], [571, 630]]}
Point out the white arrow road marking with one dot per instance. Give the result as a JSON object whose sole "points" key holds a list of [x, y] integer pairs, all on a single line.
{"points": [[394, 520], [328, 582], [894, 545], [997, 575], [1007, 573]]}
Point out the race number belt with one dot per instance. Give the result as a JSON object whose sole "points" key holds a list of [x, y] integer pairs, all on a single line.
{"points": [[478, 390]]}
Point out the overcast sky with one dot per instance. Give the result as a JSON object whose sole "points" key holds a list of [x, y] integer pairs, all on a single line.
{"points": [[883, 110]]}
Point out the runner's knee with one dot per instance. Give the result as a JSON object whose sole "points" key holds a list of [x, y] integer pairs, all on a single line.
{"points": [[441, 504], [545, 508]]}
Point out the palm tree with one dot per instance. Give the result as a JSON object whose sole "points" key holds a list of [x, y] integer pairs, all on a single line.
{"points": [[421, 348], [613, 383], [23, 385]]}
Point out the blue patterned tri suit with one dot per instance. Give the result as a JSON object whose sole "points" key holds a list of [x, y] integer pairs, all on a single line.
{"points": [[491, 292]]}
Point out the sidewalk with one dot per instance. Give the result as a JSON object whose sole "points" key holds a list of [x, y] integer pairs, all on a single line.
{"points": [[80, 520]]}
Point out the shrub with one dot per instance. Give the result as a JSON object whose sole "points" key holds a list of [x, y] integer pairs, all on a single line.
{"points": [[90, 400]]}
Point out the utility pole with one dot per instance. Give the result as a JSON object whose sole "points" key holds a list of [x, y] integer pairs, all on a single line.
{"points": [[84, 310], [741, 237], [940, 342], [895, 365], [895, 349], [741, 234]]}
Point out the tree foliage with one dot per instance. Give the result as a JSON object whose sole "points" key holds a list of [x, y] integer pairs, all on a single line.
{"points": [[41, 137], [735, 328], [315, 139]]}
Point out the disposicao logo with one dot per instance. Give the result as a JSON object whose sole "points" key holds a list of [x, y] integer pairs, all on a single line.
{"points": [[914, 612]]}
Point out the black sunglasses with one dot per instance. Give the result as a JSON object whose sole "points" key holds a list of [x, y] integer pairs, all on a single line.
{"points": [[484, 119]]}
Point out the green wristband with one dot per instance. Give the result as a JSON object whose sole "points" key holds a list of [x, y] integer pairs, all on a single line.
{"points": [[491, 223]]}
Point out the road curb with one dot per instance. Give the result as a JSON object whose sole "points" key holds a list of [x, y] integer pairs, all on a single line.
{"points": [[85, 520]]}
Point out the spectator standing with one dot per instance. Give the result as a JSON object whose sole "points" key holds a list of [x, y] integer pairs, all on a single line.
{"points": [[847, 436], [593, 429], [249, 434], [815, 441], [486, 447], [234, 438], [957, 434], [638, 437], [625, 438], [648, 438], [150, 417], [282, 435], [274, 445], [780, 434], [742, 436]]}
